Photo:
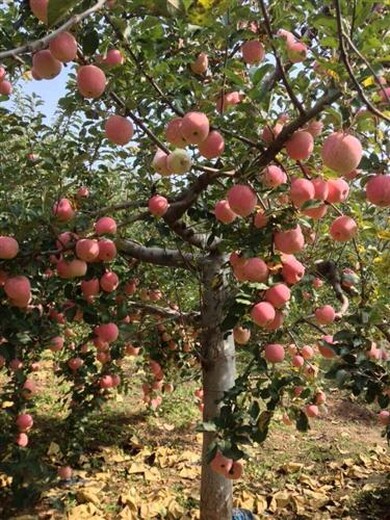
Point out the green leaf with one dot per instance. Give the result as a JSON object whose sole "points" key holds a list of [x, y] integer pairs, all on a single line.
{"points": [[90, 42], [207, 427], [58, 9]]}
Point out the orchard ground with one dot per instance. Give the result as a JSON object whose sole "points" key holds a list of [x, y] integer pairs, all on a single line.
{"points": [[137, 464]]}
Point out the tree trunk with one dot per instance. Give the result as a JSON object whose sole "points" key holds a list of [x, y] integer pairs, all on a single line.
{"points": [[218, 376]]}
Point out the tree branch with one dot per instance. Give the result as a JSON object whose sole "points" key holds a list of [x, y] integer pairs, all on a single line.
{"points": [[345, 60], [365, 60], [298, 105], [269, 154], [164, 311], [155, 255], [42, 42]]}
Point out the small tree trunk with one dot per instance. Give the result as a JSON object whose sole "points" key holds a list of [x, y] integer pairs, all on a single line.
{"points": [[218, 376]]}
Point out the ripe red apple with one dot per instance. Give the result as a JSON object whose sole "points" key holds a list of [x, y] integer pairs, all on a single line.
{"points": [[300, 146], [378, 190], [255, 270], [262, 313], [290, 241], [338, 191], [307, 352], [278, 295], [9, 248], [160, 164], [109, 281], [24, 422], [293, 270], [301, 191], [343, 228], [158, 205], [341, 152], [64, 47], [75, 363], [325, 314], [252, 52], [228, 100], [18, 290], [105, 226], [107, 250], [273, 176], [276, 323], [195, 127], [39, 9], [118, 130], [260, 220], [311, 410], [91, 81], [320, 398], [274, 353], [325, 350], [73, 269], [321, 188], [269, 134], [384, 417], [131, 350], [235, 471], [221, 464], [113, 58], [298, 361], [5, 88], [65, 472], [213, 146], [46, 65], [106, 382], [173, 133], [63, 210], [316, 213], [314, 128], [242, 199], [90, 288], [87, 249], [56, 344], [223, 212], [108, 332], [21, 439]]}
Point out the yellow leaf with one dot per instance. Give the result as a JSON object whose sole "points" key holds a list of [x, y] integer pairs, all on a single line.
{"points": [[84, 512], [54, 449], [189, 473], [369, 82], [128, 514], [137, 468], [88, 495]]}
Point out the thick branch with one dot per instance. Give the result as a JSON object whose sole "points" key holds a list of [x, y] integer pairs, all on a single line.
{"points": [[164, 312], [43, 42], [345, 60], [155, 255], [269, 154]]}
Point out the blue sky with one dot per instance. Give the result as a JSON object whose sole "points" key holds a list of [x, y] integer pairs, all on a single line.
{"points": [[49, 90]]}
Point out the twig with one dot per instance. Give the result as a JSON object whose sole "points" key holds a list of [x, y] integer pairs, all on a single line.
{"points": [[363, 58], [345, 60], [298, 105], [42, 42]]}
